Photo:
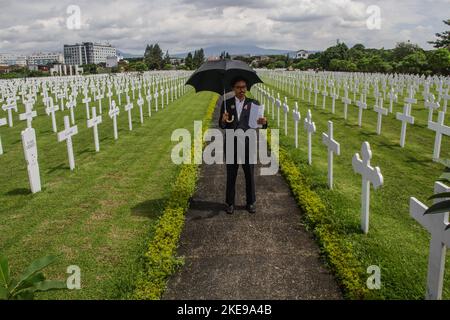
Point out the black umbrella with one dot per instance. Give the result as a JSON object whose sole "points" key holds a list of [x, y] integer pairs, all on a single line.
{"points": [[216, 76]]}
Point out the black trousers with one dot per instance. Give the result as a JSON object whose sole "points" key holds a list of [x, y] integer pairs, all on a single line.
{"points": [[232, 171]]}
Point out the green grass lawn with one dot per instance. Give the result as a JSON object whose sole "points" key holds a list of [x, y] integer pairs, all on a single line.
{"points": [[395, 242], [100, 216]]}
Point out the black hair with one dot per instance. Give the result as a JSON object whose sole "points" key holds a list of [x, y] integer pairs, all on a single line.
{"points": [[237, 79]]}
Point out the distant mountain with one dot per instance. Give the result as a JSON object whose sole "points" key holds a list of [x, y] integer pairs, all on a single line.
{"points": [[129, 55], [238, 50]]}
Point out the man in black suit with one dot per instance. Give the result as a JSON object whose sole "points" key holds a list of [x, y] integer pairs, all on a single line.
{"points": [[236, 116]]}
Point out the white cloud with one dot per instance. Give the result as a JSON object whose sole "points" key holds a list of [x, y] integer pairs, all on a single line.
{"points": [[182, 25]]}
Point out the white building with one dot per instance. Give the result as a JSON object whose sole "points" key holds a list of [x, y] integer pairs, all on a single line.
{"points": [[302, 54], [10, 59], [88, 53], [45, 58], [112, 62]]}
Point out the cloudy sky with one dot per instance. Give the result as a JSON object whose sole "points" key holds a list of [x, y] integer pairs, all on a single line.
{"points": [[28, 26]]}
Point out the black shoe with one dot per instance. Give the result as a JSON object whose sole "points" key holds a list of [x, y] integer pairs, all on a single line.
{"points": [[230, 209], [251, 208]]}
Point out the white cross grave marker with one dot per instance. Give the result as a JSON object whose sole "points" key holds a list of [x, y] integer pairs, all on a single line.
{"points": [[149, 103], [297, 117], [392, 98], [324, 95], [286, 111], [140, 103], [128, 107], [445, 96], [9, 107], [51, 109], [278, 104], [71, 104], [410, 100], [405, 118], [436, 224], [99, 97], [369, 175], [67, 134], [310, 128], [31, 157], [29, 114], [346, 101], [334, 96], [3, 122], [167, 96], [333, 147], [93, 123], [361, 106], [431, 105], [156, 100], [86, 100], [113, 113], [60, 96], [381, 112], [440, 130]]}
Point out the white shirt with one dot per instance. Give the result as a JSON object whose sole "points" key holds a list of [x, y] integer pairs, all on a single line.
{"points": [[239, 106]]}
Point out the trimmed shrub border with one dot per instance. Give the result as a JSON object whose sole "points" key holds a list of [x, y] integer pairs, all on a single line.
{"points": [[161, 259]]}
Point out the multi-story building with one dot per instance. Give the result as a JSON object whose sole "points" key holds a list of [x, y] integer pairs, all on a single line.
{"points": [[88, 53], [42, 59], [10, 59]]}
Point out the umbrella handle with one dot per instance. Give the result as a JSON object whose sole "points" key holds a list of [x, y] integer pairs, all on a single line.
{"points": [[230, 121]]}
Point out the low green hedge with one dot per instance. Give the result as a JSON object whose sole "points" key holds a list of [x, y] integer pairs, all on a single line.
{"points": [[161, 259], [338, 253]]}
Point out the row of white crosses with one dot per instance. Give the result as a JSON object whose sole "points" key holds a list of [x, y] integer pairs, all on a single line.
{"points": [[397, 87], [59, 91]]}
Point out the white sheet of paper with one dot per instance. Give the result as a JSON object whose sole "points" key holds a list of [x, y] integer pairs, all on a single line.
{"points": [[256, 112]]}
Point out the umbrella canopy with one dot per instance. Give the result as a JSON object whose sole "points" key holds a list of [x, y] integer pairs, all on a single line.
{"points": [[216, 76]]}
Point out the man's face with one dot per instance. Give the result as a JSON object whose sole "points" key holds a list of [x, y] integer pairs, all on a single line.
{"points": [[240, 89]]}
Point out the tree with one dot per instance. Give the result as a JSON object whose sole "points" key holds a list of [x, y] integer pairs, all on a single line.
{"points": [[443, 39], [154, 57], [403, 49], [199, 57], [225, 55], [439, 61], [89, 68], [339, 51], [189, 62], [140, 66], [280, 64], [342, 65], [356, 52], [414, 63], [167, 58]]}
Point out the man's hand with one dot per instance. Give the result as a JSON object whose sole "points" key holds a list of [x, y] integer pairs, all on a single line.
{"points": [[262, 121], [224, 117]]}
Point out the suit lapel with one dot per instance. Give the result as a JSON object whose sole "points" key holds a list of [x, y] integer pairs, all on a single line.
{"points": [[246, 107]]}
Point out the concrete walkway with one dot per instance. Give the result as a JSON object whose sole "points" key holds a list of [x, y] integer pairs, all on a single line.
{"points": [[268, 255]]}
